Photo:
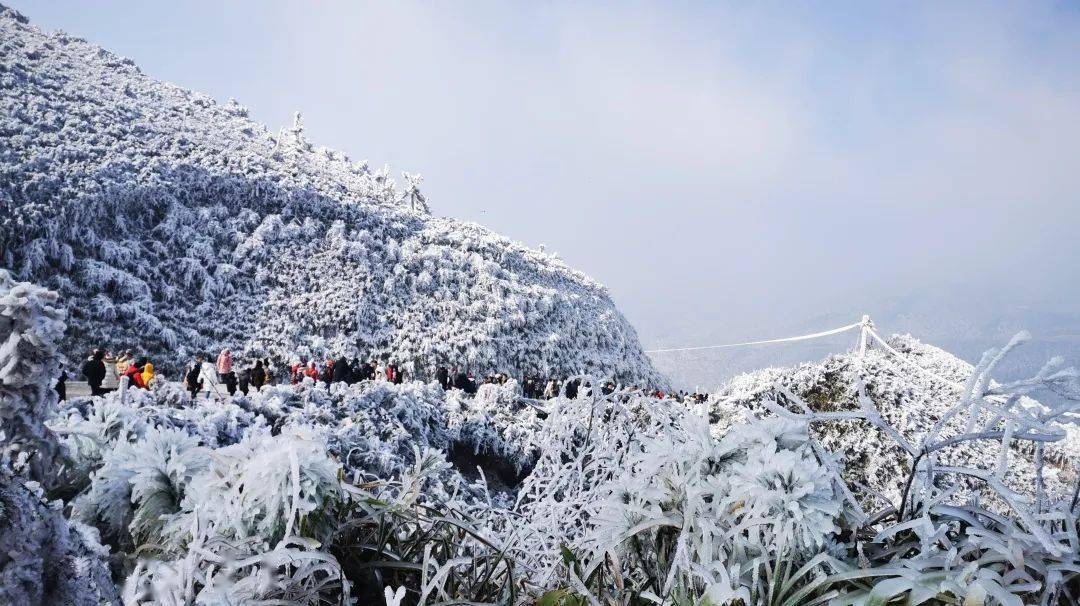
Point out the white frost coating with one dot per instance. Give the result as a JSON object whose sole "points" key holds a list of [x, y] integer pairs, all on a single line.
{"points": [[31, 326], [219, 492], [180, 226], [910, 401], [43, 558], [600, 487]]}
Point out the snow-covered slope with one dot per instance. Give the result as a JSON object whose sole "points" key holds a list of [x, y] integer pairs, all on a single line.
{"points": [[909, 400], [173, 224]]}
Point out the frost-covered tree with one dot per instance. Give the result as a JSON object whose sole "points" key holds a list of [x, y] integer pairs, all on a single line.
{"points": [[412, 196], [43, 558], [31, 327]]}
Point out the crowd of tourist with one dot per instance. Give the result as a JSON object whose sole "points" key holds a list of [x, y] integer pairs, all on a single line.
{"points": [[139, 372], [225, 375]]}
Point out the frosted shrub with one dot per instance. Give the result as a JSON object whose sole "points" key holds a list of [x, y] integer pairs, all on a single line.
{"points": [[264, 488], [246, 528], [141, 484], [47, 559], [495, 424], [583, 444], [697, 515], [396, 535], [292, 573], [784, 491], [89, 428]]}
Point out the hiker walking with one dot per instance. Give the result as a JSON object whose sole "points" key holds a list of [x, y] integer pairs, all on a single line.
{"points": [[328, 373], [551, 390], [94, 371], [258, 375], [192, 379], [148, 375], [245, 379], [134, 373], [356, 371], [268, 372], [61, 386], [572, 389], [393, 374], [122, 363], [342, 372], [225, 370]]}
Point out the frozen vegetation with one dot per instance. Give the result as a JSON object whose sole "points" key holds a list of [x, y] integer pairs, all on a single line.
{"points": [[137, 213], [179, 226], [851, 481], [913, 402]]}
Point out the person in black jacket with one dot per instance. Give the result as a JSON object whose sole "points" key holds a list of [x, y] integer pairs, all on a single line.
{"points": [[442, 375], [572, 388], [192, 379], [342, 371], [94, 371], [461, 380], [356, 371], [245, 379], [61, 386], [367, 371], [258, 375], [464, 382]]}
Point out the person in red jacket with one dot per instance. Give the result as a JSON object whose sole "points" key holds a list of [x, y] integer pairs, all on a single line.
{"points": [[312, 372], [134, 373]]}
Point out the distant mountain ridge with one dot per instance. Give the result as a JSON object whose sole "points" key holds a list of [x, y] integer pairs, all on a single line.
{"points": [[172, 224]]}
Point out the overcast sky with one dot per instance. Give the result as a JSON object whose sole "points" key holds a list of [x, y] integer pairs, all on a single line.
{"points": [[717, 166]]}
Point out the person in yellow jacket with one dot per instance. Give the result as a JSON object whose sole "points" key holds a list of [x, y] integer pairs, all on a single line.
{"points": [[147, 375]]}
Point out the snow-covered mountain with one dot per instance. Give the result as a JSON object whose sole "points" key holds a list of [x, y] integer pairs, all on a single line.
{"points": [[172, 224], [910, 400]]}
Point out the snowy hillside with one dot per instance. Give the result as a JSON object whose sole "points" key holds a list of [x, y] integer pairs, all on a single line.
{"points": [[909, 400], [172, 224]]}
